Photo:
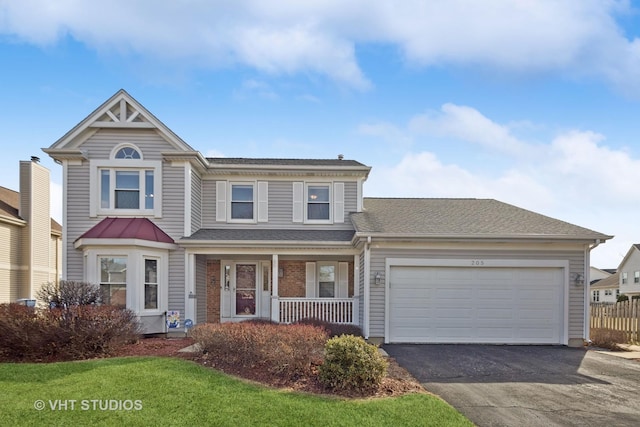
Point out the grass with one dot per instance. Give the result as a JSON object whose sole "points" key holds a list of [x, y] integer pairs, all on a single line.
{"points": [[174, 392]]}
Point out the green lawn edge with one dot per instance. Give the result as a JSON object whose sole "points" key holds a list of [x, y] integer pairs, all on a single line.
{"points": [[141, 391]]}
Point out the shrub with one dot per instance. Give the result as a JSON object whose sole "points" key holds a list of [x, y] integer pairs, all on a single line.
{"points": [[351, 364], [622, 298], [29, 334], [281, 351], [607, 338], [333, 329], [69, 293]]}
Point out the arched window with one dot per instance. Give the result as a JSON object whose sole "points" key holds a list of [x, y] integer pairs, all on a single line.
{"points": [[127, 153]]}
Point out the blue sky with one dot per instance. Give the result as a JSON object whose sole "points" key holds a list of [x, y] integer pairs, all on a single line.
{"points": [[534, 103]]}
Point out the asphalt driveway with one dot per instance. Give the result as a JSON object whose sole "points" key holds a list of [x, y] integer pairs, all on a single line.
{"points": [[527, 385]]}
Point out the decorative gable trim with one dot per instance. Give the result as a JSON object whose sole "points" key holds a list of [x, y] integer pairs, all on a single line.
{"points": [[120, 111]]}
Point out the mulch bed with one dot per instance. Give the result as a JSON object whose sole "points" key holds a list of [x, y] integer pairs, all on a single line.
{"points": [[397, 382]]}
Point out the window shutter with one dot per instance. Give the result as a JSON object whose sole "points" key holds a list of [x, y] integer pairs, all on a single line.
{"points": [[343, 280], [338, 202], [311, 280], [298, 203], [221, 200], [263, 201]]}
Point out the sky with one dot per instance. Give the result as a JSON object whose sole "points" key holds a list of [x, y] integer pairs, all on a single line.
{"points": [[535, 103]]}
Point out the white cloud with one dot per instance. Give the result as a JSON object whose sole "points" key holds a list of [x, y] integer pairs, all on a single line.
{"points": [[467, 124], [574, 176], [282, 37]]}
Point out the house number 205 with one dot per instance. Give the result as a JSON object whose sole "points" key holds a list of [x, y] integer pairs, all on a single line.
{"points": [[477, 262]]}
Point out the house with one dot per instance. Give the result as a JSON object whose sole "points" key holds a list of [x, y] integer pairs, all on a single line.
{"points": [[170, 233], [596, 274], [629, 270], [606, 290], [30, 254]]}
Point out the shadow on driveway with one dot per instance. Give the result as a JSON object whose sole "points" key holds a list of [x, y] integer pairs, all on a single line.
{"points": [[527, 385]]}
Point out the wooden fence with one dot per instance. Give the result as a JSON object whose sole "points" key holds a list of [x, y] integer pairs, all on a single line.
{"points": [[622, 316]]}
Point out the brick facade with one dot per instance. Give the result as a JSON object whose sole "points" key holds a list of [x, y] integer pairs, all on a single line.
{"points": [[213, 292]]}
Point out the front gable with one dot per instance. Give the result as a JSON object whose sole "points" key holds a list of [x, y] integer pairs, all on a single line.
{"points": [[121, 111]]}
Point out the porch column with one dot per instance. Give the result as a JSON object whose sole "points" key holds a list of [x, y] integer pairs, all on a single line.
{"points": [[275, 301], [190, 290], [356, 290]]}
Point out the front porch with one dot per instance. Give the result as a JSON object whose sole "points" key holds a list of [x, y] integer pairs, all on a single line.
{"points": [[280, 289]]}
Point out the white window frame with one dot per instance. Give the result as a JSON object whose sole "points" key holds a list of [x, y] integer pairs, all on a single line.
{"points": [[636, 276], [608, 292], [254, 202], [135, 274], [624, 277], [329, 186], [96, 167], [596, 296], [321, 264]]}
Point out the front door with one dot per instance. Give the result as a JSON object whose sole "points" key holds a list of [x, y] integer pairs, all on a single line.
{"points": [[246, 303]]}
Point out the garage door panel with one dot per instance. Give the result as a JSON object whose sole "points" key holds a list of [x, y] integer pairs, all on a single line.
{"points": [[479, 305]]}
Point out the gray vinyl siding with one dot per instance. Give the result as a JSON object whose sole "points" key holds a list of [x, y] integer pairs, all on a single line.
{"points": [[378, 264], [201, 289], [196, 202], [99, 146], [280, 206]]}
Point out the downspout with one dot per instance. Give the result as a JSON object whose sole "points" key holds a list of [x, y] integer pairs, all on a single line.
{"points": [[587, 281], [367, 285]]}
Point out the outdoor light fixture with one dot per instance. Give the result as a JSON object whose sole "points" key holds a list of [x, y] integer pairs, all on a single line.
{"points": [[378, 278], [213, 280], [578, 279]]}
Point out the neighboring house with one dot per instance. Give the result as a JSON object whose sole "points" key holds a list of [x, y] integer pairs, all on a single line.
{"points": [[606, 290], [30, 252], [629, 270], [596, 274], [161, 227]]}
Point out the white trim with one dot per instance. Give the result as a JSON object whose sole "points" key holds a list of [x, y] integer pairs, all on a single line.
{"points": [[359, 196], [330, 201], [230, 218], [120, 146], [65, 203], [187, 198], [190, 287], [115, 242], [479, 262], [366, 306], [95, 190]]}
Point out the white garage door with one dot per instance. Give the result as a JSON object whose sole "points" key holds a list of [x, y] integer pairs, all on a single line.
{"points": [[476, 305]]}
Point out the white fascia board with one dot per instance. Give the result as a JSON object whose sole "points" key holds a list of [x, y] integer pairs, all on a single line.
{"points": [[488, 237], [231, 251], [93, 242]]}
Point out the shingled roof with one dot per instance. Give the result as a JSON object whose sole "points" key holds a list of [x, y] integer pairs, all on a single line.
{"points": [[239, 235], [283, 162], [470, 218], [611, 282], [10, 204]]}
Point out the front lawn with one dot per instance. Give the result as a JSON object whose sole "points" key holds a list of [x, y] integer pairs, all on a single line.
{"points": [[168, 391]]}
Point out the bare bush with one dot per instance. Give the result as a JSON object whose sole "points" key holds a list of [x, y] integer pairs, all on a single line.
{"points": [[608, 338], [69, 293]]}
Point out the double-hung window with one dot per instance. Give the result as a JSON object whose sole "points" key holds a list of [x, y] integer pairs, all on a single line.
{"points": [[636, 277], [327, 280], [318, 202], [242, 202], [624, 277], [596, 296], [150, 284]]}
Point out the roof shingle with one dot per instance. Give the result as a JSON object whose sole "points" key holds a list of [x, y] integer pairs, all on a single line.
{"points": [[461, 217]]}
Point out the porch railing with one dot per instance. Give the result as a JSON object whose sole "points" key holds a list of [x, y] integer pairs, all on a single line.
{"points": [[334, 310]]}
